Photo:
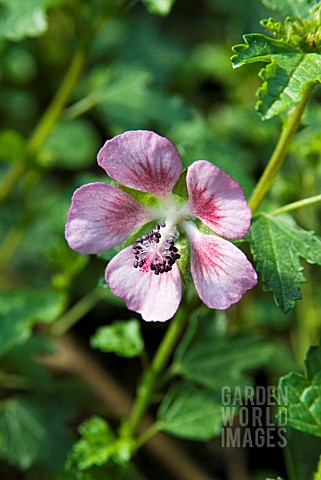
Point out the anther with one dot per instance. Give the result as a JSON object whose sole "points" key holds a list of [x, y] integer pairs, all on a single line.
{"points": [[155, 251]]}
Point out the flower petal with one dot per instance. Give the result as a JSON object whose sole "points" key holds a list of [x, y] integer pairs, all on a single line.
{"points": [[155, 297], [142, 160], [217, 200], [101, 216], [221, 272]]}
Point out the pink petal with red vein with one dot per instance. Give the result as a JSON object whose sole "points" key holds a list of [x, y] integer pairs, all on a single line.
{"points": [[221, 272], [142, 160], [217, 200], [101, 216], [155, 297]]}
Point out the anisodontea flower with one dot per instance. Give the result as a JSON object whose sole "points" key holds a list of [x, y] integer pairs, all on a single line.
{"points": [[146, 274]]}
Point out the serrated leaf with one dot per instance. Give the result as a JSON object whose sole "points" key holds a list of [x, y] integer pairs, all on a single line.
{"points": [[192, 413], [23, 18], [288, 73], [21, 309], [160, 7], [301, 396], [98, 445], [123, 338], [294, 8], [276, 245], [213, 361], [95, 446]]}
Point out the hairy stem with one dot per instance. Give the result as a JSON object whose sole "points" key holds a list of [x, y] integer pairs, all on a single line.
{"points": [[162, 356], [280, 151], [296, 205]]}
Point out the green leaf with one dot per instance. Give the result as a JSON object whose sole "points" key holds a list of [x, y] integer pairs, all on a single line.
{"points": [[196, 139], [72, 144], [97, 446], [22, 359], [288, 73], [21, 309], [123, 338], [107, 472], [26, 427], [276, 245], [301, 395], [160, 7], [23, 18], [129, 99], [213, 361], [21, 433], [294, 8], [304, 452], [12, 145], [188, 412]]}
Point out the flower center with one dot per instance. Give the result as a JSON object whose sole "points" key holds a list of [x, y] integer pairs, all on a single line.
{"points": [[156, 251]]}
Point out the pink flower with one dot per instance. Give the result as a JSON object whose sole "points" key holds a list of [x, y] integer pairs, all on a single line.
{"points": [[145, 275]]}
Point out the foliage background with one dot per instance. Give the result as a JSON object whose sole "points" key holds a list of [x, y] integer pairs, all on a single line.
{"points": [[136, 70]]}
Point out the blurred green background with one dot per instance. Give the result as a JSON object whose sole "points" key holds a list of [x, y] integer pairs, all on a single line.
{"points": [[74, 73]]}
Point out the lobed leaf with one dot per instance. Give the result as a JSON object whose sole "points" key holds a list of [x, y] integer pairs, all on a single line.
{"points": [[288, 73], [301, 395], [97, 446], [123, 338], [277, 245], [23, 18]]}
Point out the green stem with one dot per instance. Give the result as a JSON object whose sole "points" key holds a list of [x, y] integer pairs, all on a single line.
{"points": [[162, 356], [77, 312], [52, 114], [299, 204], [278, 156], [45, 125], [145, 436], [11, 242]]}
